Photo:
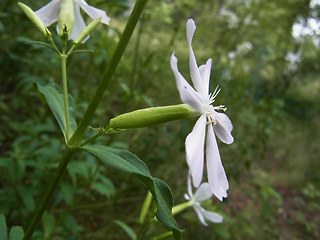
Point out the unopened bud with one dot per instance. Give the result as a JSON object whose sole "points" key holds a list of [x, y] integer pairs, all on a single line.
{"points": [[66, 17], [85, 33], [34, 18], [152, 116]]}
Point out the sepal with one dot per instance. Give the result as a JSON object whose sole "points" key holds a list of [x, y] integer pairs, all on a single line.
{"points": [[152, 116], [66, 18]]}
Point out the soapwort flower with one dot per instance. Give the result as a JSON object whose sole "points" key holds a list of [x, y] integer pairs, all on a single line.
{"points": [[203, 193], [49, 14], [216, 123]]}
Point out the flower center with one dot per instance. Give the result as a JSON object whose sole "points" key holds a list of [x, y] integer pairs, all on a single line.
{"points": [[209, 110]]}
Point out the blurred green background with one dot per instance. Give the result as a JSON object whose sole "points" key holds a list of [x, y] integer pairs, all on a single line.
{"points": [[265, 59]]}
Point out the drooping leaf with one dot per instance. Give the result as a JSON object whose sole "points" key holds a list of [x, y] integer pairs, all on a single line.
{"points": [[130, 163], [127, 229], [54, 99]]}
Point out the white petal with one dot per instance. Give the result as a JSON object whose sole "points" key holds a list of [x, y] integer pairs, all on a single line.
{"points": [[195, 150], [79, 24], [223, 127], [187, 94], [49, 13], [203, 192], [189, 185], [216, 175], [212, 216], [194, 70], [205, 71], [94, 12], [186, 196], [200, 216]]}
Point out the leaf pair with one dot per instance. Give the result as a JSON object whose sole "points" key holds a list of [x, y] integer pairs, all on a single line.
{"points": [[120, 159]]}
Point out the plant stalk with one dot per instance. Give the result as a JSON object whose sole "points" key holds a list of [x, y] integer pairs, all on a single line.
{"points": [[48, 194], [108, 74], [63, 58]]}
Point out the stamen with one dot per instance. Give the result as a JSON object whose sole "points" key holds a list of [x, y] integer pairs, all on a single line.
{"points": [[216, 92], [211, 120], [220, 107]]}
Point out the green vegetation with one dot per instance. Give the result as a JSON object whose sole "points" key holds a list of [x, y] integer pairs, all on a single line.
{"points": [[272, 99]]}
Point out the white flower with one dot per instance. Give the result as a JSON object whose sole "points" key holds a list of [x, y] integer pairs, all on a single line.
{"points": [[210, 119], [49, 14], [203, 193]]}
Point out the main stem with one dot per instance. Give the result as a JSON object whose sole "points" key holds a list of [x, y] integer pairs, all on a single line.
{"points": [[63, 58], [107, 76], [48, 194]]}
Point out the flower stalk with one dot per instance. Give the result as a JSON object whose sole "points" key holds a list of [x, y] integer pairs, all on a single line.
{"points": [[63, 58], [108, 74]]}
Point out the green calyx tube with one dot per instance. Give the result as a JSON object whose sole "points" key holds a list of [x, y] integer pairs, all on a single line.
{"points": [[66, 17], [152, 116]]}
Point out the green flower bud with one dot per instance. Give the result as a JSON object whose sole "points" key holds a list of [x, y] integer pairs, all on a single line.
{"points": [[35, 19], [66, 17], [152, 116], [87, 30]]}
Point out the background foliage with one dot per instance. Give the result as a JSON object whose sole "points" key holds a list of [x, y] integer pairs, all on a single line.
{"points": [[270, 84]]}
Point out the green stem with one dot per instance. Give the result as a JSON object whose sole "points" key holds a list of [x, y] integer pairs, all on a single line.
{"points": [[108, 74], [92, 138], [145, 207], [48, 194], [179, 208], [63, 58]]}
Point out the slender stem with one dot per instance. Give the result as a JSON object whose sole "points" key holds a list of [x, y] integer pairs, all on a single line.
{"points": [[92, 138], [108, 74], [48, 194], [145, 207], [63, 58]]}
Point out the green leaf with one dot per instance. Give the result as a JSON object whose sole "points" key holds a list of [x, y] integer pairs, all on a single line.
{"points": [[16, 233], [130, 163], [49, 224], [54, 99], [3, 228], [127, 229]]}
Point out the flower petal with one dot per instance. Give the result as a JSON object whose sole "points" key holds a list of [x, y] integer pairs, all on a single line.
{"points": [[189, 185], [79, 24], [212, 216], [187, 94], [200, 215], [195, 150], [49, 13], [223, 127], [186, 196], [216, 175], [203, 192], [94, 12], [194, 70], [205, 71]]}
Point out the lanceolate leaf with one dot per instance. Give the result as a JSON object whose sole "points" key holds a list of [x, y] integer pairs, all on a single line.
{"points": [[54, 99], [130, 163], [127, 229]]}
